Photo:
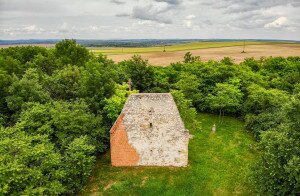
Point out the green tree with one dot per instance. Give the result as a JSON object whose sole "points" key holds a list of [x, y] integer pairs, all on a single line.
{"points": [[78, 161], [161, 80], [63, 122], [140, 72], [5, 81], [23, 54], [252, 63], [44, 63], [189, 58], [26, 89], [29, 164], [260, 99], [64, 83], [281, 73], [11, 65], [69, 52], [14, 59], [227, 61], [226, 98], [97, 83], [114, 105], [185, 107], [190, 86], [263, 121], [263, 108], [277, 171]]}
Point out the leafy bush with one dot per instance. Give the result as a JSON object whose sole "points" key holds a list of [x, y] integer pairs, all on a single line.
{"points": [[140, 73], [189, 58], [63, 122], [186, 110], [78, 161], [26, 89], [114, 105], [68, 52], [226, 98], [277, 171], [189, 85], [29, 164], [51, 137]]}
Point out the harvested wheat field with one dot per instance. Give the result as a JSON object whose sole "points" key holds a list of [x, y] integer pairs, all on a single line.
{"points": [[256, 51]]}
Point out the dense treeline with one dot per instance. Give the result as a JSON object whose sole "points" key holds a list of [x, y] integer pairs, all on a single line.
{"points": [[57, 106]]}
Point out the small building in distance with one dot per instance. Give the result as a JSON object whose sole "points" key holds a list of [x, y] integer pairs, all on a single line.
{"points": [[149, 132]]}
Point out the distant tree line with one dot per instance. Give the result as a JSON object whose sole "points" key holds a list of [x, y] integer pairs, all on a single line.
{"points": [[57, 106]]}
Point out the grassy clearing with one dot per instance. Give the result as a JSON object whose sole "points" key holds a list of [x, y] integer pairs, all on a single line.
{"points": [[218, 164], [177, 47]]}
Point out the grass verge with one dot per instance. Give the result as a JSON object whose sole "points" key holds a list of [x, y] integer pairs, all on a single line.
{"points": [[218, 165]]}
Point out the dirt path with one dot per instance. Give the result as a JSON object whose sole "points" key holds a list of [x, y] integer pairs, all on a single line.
{"points": [[256, 51]]}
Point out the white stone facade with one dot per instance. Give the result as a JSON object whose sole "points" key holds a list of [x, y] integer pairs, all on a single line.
{"points": [[155, 130]]}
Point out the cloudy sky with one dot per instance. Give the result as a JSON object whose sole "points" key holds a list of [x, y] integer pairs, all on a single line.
{"points": [[160, 19]]}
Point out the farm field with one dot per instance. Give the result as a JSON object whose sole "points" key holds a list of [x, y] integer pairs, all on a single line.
{"points": [[218, 165], [212, 52], [176, 47]]}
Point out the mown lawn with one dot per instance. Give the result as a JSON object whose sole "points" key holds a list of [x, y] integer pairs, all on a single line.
{"points": [[176, 47], [218, 165]]}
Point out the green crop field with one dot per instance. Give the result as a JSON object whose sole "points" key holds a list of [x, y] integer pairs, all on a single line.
{"points": [[177, 47], [218, 165]]}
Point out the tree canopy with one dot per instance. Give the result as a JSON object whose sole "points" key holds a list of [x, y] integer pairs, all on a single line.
{"points": [[57, 106]]}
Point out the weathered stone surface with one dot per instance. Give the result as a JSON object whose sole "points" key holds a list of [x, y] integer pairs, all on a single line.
{"points": [[155, 133]]}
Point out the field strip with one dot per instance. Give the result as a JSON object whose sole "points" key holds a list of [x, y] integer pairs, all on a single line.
{"points": [[177, 47], [206, 54]]}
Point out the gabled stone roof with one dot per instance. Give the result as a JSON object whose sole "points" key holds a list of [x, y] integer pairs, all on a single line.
{"points": [[154, 130]]}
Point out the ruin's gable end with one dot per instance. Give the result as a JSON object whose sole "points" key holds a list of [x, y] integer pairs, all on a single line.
{"points": [[149, 132]]}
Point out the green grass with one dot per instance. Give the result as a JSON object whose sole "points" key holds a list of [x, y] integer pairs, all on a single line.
{"points": [[218, 165], [177, 47]]}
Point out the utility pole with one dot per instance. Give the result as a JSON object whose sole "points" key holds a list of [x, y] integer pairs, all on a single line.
{"points": [[244, 46]]}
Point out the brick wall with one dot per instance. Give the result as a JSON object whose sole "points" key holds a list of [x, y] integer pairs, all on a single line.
{"points": [[122, 153]]}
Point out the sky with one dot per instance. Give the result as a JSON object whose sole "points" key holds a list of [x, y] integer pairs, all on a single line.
{"points": [[150, 19]]}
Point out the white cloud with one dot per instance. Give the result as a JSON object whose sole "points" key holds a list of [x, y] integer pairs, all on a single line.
{"points": [[117, 2], [25, 29], [117, 19], [161, 11], [64, 26], [189, 22], [33, 29], [278, 23], [191, 17]]}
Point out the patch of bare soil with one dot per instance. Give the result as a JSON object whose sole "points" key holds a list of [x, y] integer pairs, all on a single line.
{"points": [[109, 186], [235, 52], [144, 181]]}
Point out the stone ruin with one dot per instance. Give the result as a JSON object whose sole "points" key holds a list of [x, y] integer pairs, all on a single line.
{"points": [[149, 132]]}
